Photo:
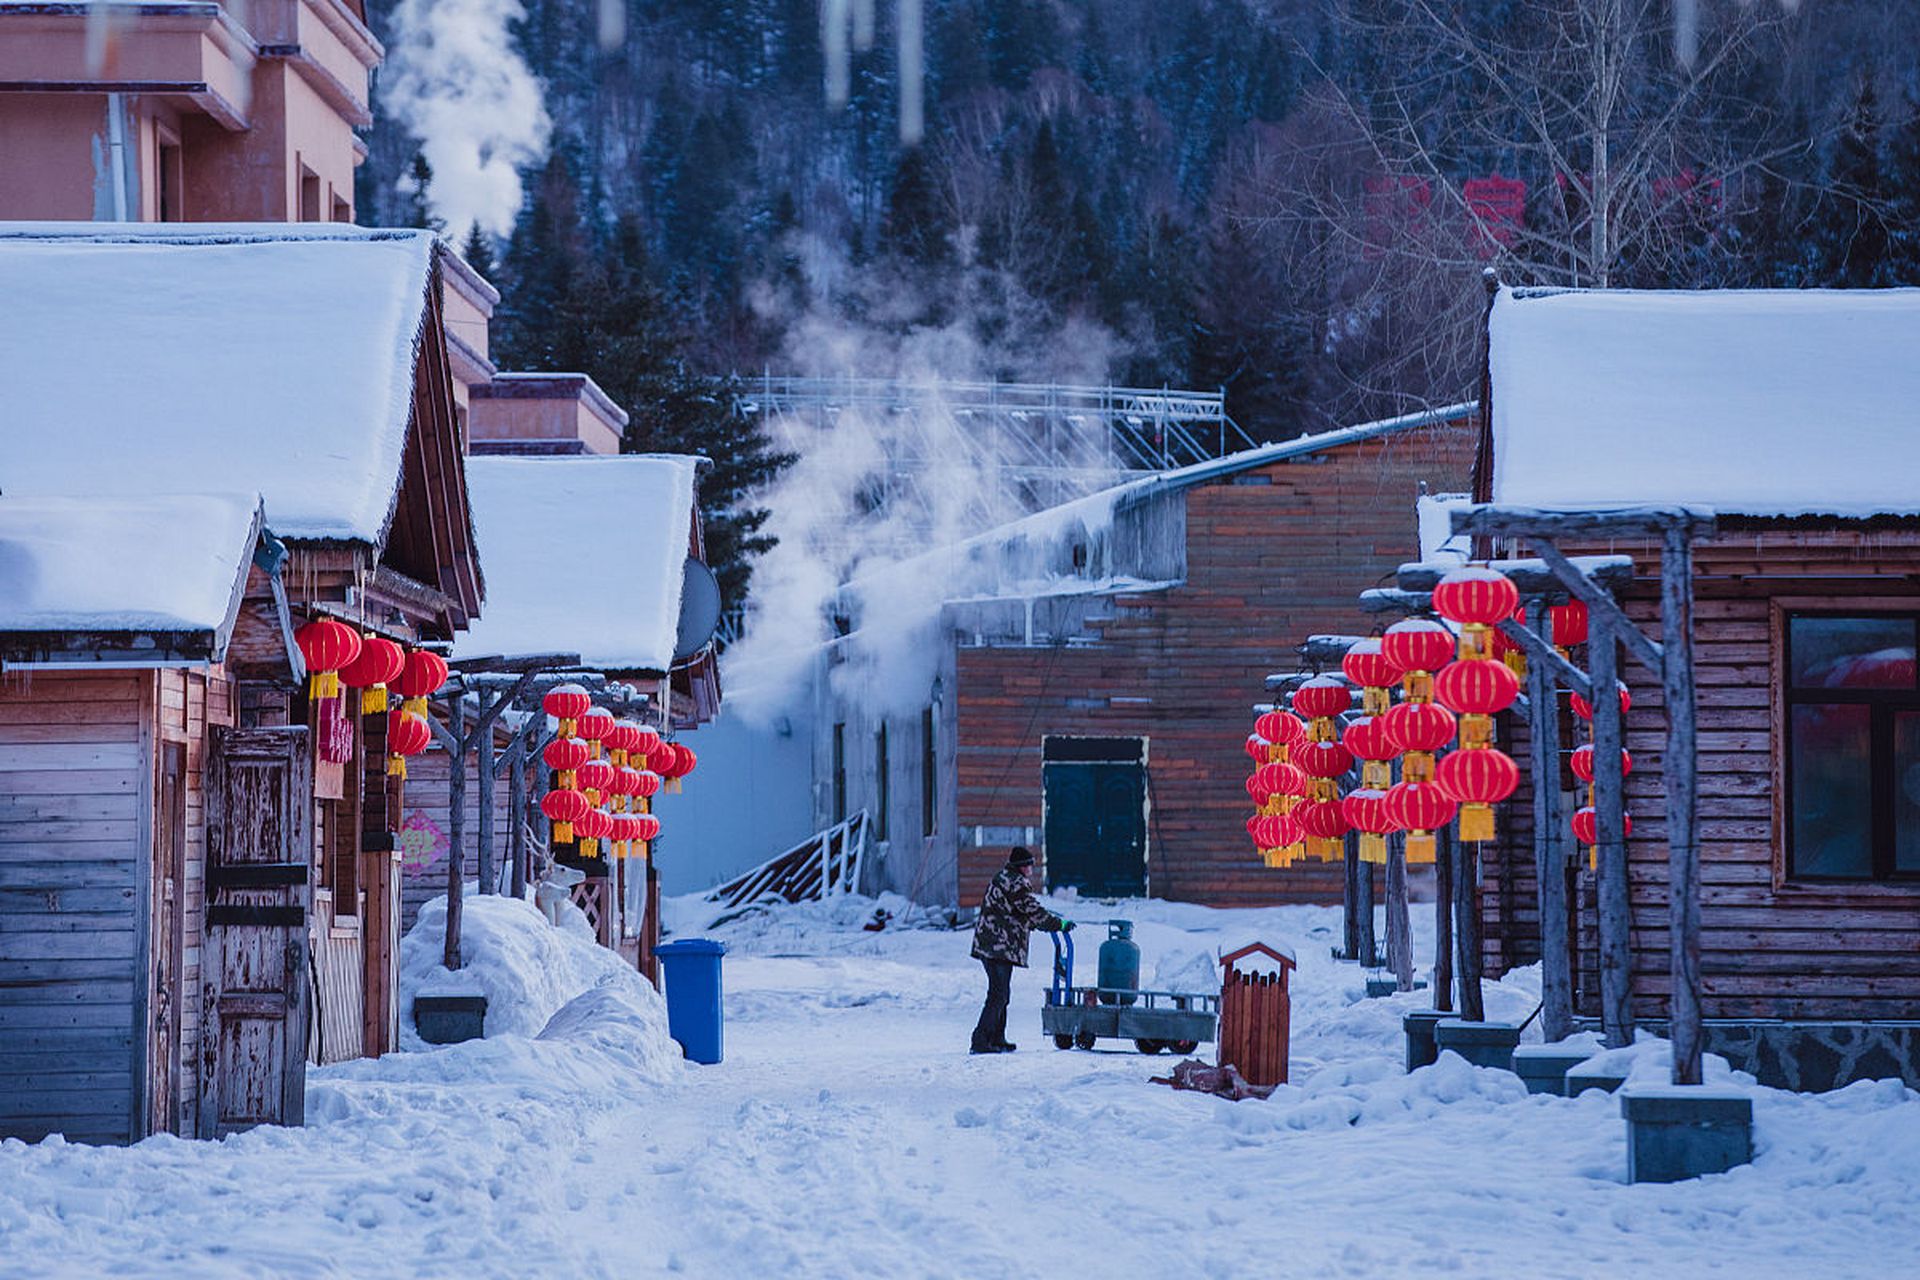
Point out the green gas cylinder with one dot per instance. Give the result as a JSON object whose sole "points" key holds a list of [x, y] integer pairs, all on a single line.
{"points": [[1119, 963]]}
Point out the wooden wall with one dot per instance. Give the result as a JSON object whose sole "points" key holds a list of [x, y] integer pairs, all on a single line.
{"points": [[75, 779], [1770, 948], [423, 857], [1273, 555]]}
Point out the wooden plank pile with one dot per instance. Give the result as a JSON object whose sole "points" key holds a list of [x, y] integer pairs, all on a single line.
{"points": [[819, 867]]}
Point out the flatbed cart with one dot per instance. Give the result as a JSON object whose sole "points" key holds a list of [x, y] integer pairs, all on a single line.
{"points": [[1153, 1020]]}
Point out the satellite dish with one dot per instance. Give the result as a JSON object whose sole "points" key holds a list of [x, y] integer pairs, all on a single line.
{"points": [[699, 610]]}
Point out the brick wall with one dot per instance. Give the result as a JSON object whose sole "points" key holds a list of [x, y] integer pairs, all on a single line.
{"points": [[1274, 555]]}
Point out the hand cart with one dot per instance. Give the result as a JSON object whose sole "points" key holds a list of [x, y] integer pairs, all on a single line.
{"points": [[1153, 1020]]}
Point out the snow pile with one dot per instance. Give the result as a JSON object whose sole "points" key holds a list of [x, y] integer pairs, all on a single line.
{"points": [[621, 609], [132, 563], [112, 339], [528, 970], [1708, 398]]}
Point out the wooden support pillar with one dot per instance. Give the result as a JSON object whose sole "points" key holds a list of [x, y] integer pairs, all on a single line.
{"points": [[1679, 769], [517, 814], [1614, 892], [1349, 904], [1443, 921], [1466, 927], [1549, 841], [456, 825], [1369, 952], [1399, 925], [485, 762]]}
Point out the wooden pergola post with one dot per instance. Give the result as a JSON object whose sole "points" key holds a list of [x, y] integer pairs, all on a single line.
{"points": [[1613, 893], [1549, 841]]}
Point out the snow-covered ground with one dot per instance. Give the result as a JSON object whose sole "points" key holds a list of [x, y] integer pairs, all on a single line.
{"points": [[849, 1133]]}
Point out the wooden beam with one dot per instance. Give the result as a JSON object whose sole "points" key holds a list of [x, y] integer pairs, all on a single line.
{"points": [[1549, 842], [1443, 919], [1599, 602], [1678, 770], [1541, 654], [1531, 576], [1466, 929], [1616, 906], [1394, 600], [516, 663], [1399, 926], [456, 828], [1497, 520]]}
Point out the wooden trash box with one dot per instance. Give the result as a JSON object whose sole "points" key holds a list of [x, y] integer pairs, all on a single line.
{"points": [[1254, 1013]]}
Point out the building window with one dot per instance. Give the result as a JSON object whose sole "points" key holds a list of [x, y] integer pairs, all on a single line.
{"points": [[882, 783], [839, 773], [1853, 747], [929, 776]]}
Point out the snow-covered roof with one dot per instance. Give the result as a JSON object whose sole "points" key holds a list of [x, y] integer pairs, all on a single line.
{"points": [[175, 357], [1751, 402], [582, 555], [174, 563]]}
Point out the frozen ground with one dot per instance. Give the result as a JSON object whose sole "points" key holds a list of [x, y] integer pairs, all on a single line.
{"points": [[848, 1133]]}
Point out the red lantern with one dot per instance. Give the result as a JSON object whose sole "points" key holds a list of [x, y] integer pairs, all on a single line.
{"points": [[567, 703], [1476, 597], [564, 808], [1366, 812], [1324, 760], [682, 760], [626, 781], [1582, 762], [645, 748], [1586, 829], [407, 735], [594, 778], [1253, 829], [620, 740], [425, 673], [1584, 709], [1419, 809], [1322, 697], [1322, 820], [565, 756], [1418, 726], [1257, 748], [1278, 778], [1568, 624], [649, 783], [326, 645], [380, 663], [1256, 791], [649, 827], [1476, 687], [1366, 737], [1478, 779], [1280, 727], [1415, 646], [593, 826], [595, 725], [1367, 665]]}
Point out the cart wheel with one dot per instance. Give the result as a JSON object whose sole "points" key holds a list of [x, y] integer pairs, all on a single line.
{"points": [[1063, 1042], [1184, 1046], [1149, 1047], [1084, 1039]]}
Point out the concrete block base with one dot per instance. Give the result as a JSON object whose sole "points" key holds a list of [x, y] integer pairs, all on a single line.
{"points": [[1582, 1078], [1421, 1050], [1678, 1132], [1377, 987], [450, 1019], [1543, 1067], [1484, 1044]]}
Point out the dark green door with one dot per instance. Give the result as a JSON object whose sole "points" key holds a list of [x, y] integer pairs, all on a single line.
{"points": [[1096, 827]]}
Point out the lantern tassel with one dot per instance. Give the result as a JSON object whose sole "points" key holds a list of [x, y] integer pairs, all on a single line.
{"points": [[373, 700], [1476, 822], [396, 766], [562, 832], [1419, 847], [1373, 848]]}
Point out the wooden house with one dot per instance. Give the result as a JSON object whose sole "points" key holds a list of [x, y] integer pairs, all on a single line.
{"points": [[191, 903], [617, 607], [1089, 683], [1789, 417]]}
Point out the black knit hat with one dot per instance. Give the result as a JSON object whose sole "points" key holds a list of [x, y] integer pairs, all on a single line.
{"points": [[1020, 857]]}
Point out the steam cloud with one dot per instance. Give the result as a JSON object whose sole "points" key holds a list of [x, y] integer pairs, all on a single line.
{"points": [[455, 79], [837, 519]]}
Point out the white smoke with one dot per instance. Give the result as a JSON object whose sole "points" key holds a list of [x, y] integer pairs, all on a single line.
{"points": [[454, 77], [834, 518]]}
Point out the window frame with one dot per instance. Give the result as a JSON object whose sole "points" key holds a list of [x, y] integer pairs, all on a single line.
{"points": [[1882, 704]]}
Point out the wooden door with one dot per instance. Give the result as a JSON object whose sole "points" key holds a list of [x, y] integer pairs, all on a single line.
{"points": [[259, 852], [169, 942], [1096, 826]]}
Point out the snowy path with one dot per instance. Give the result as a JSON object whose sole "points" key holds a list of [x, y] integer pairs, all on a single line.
{"points": [[850, 1134]]}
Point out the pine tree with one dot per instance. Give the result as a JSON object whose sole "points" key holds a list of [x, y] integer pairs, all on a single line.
{"points": [[477, 252], [917, 226], [416, 208], [1903, 197], [1845, 243]]}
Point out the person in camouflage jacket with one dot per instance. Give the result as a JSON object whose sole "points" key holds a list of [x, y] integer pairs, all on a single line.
{"points": [[1008, 912]]}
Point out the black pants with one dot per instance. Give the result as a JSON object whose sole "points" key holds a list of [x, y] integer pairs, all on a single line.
{"points": [[992, 1027]]}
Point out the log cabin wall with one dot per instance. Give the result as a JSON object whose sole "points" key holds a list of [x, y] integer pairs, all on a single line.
{"points": [[425, 831], [1771, 947], [76, 779], [1273, 554]]}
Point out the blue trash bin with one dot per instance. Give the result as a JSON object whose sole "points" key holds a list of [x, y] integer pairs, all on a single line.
{"points": [[693, 995]]}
